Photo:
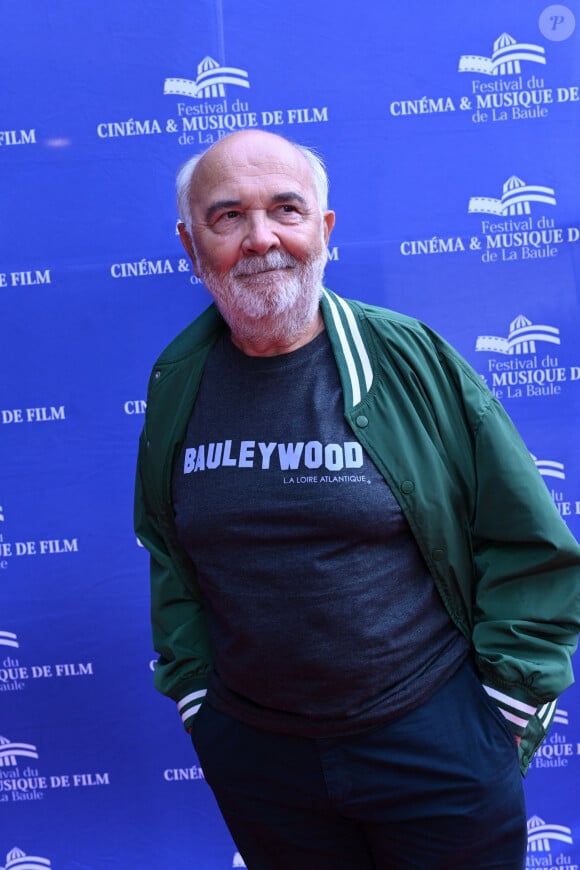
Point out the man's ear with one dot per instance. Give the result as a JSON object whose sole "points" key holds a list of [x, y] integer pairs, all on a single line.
{"points": [[187, 243], [328, 219]]}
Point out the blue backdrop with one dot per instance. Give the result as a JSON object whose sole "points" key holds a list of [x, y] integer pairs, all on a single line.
{"points": [[451, 131]]}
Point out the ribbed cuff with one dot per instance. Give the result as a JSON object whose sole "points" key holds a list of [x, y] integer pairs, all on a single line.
{"points": [[517, 712], [189, 706]]}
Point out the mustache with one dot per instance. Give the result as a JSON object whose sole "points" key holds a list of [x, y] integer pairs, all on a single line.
{"points": [[255, 264]]}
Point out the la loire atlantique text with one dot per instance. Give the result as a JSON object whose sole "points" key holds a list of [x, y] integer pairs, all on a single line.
{"points": [[266, 455]]}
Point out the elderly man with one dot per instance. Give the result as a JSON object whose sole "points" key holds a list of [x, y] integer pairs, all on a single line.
{"points": [[363, 597]]}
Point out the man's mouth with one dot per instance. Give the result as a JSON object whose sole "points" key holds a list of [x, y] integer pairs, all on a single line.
{"points": [[264, 271]]}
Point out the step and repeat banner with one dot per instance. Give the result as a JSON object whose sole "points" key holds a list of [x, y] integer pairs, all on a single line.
{"points": [[451, 132]]}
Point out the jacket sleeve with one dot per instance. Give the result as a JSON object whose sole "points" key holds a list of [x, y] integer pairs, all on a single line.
{"points": [[177, 616], [527, 564]]}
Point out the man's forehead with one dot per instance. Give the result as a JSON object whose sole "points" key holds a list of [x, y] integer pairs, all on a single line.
{"points": [[273, 164]]}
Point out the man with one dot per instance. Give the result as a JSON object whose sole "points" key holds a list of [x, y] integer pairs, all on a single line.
{"points": [[363, 597]]}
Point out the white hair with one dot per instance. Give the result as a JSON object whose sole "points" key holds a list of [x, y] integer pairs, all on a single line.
{"points": [[185, 177]]}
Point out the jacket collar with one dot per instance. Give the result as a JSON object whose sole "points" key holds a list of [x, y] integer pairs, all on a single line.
{"points": [[351, 353]]}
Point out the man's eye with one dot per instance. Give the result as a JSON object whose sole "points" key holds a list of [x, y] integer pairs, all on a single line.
{"points": [[286, 208], [230, 214]]}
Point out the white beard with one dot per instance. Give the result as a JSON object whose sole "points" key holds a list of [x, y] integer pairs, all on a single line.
{"points": [[260, 305]]}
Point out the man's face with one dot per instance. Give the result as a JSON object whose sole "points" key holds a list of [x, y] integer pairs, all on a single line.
{"points": [[258, 237]]}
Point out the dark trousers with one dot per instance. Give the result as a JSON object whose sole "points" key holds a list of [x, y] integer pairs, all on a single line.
{"points": [[437, 788]]}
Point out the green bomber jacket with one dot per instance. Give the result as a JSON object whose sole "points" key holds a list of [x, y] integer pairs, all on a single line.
{"points": [[504, 562]]}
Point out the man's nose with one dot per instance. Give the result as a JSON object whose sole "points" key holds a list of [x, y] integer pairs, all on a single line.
{"points": [[260, 236]]}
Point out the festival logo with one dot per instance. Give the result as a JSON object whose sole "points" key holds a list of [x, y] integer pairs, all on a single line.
{"points": [[518, 237], [519, 368], [21, 780], [212, 115], [515, 227], [509, 92], [211, 104], [16, 859], [513, 233], [506, 84]]}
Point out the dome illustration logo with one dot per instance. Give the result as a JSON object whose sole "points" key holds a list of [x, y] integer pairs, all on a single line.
{"points": [[541, 834], [516, 199], [521, 338], [506, 57], [16, 859], [10, 752], [210, 82]]}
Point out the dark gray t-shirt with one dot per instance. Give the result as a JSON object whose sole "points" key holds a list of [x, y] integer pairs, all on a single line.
{"points": [[321, 611]]}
